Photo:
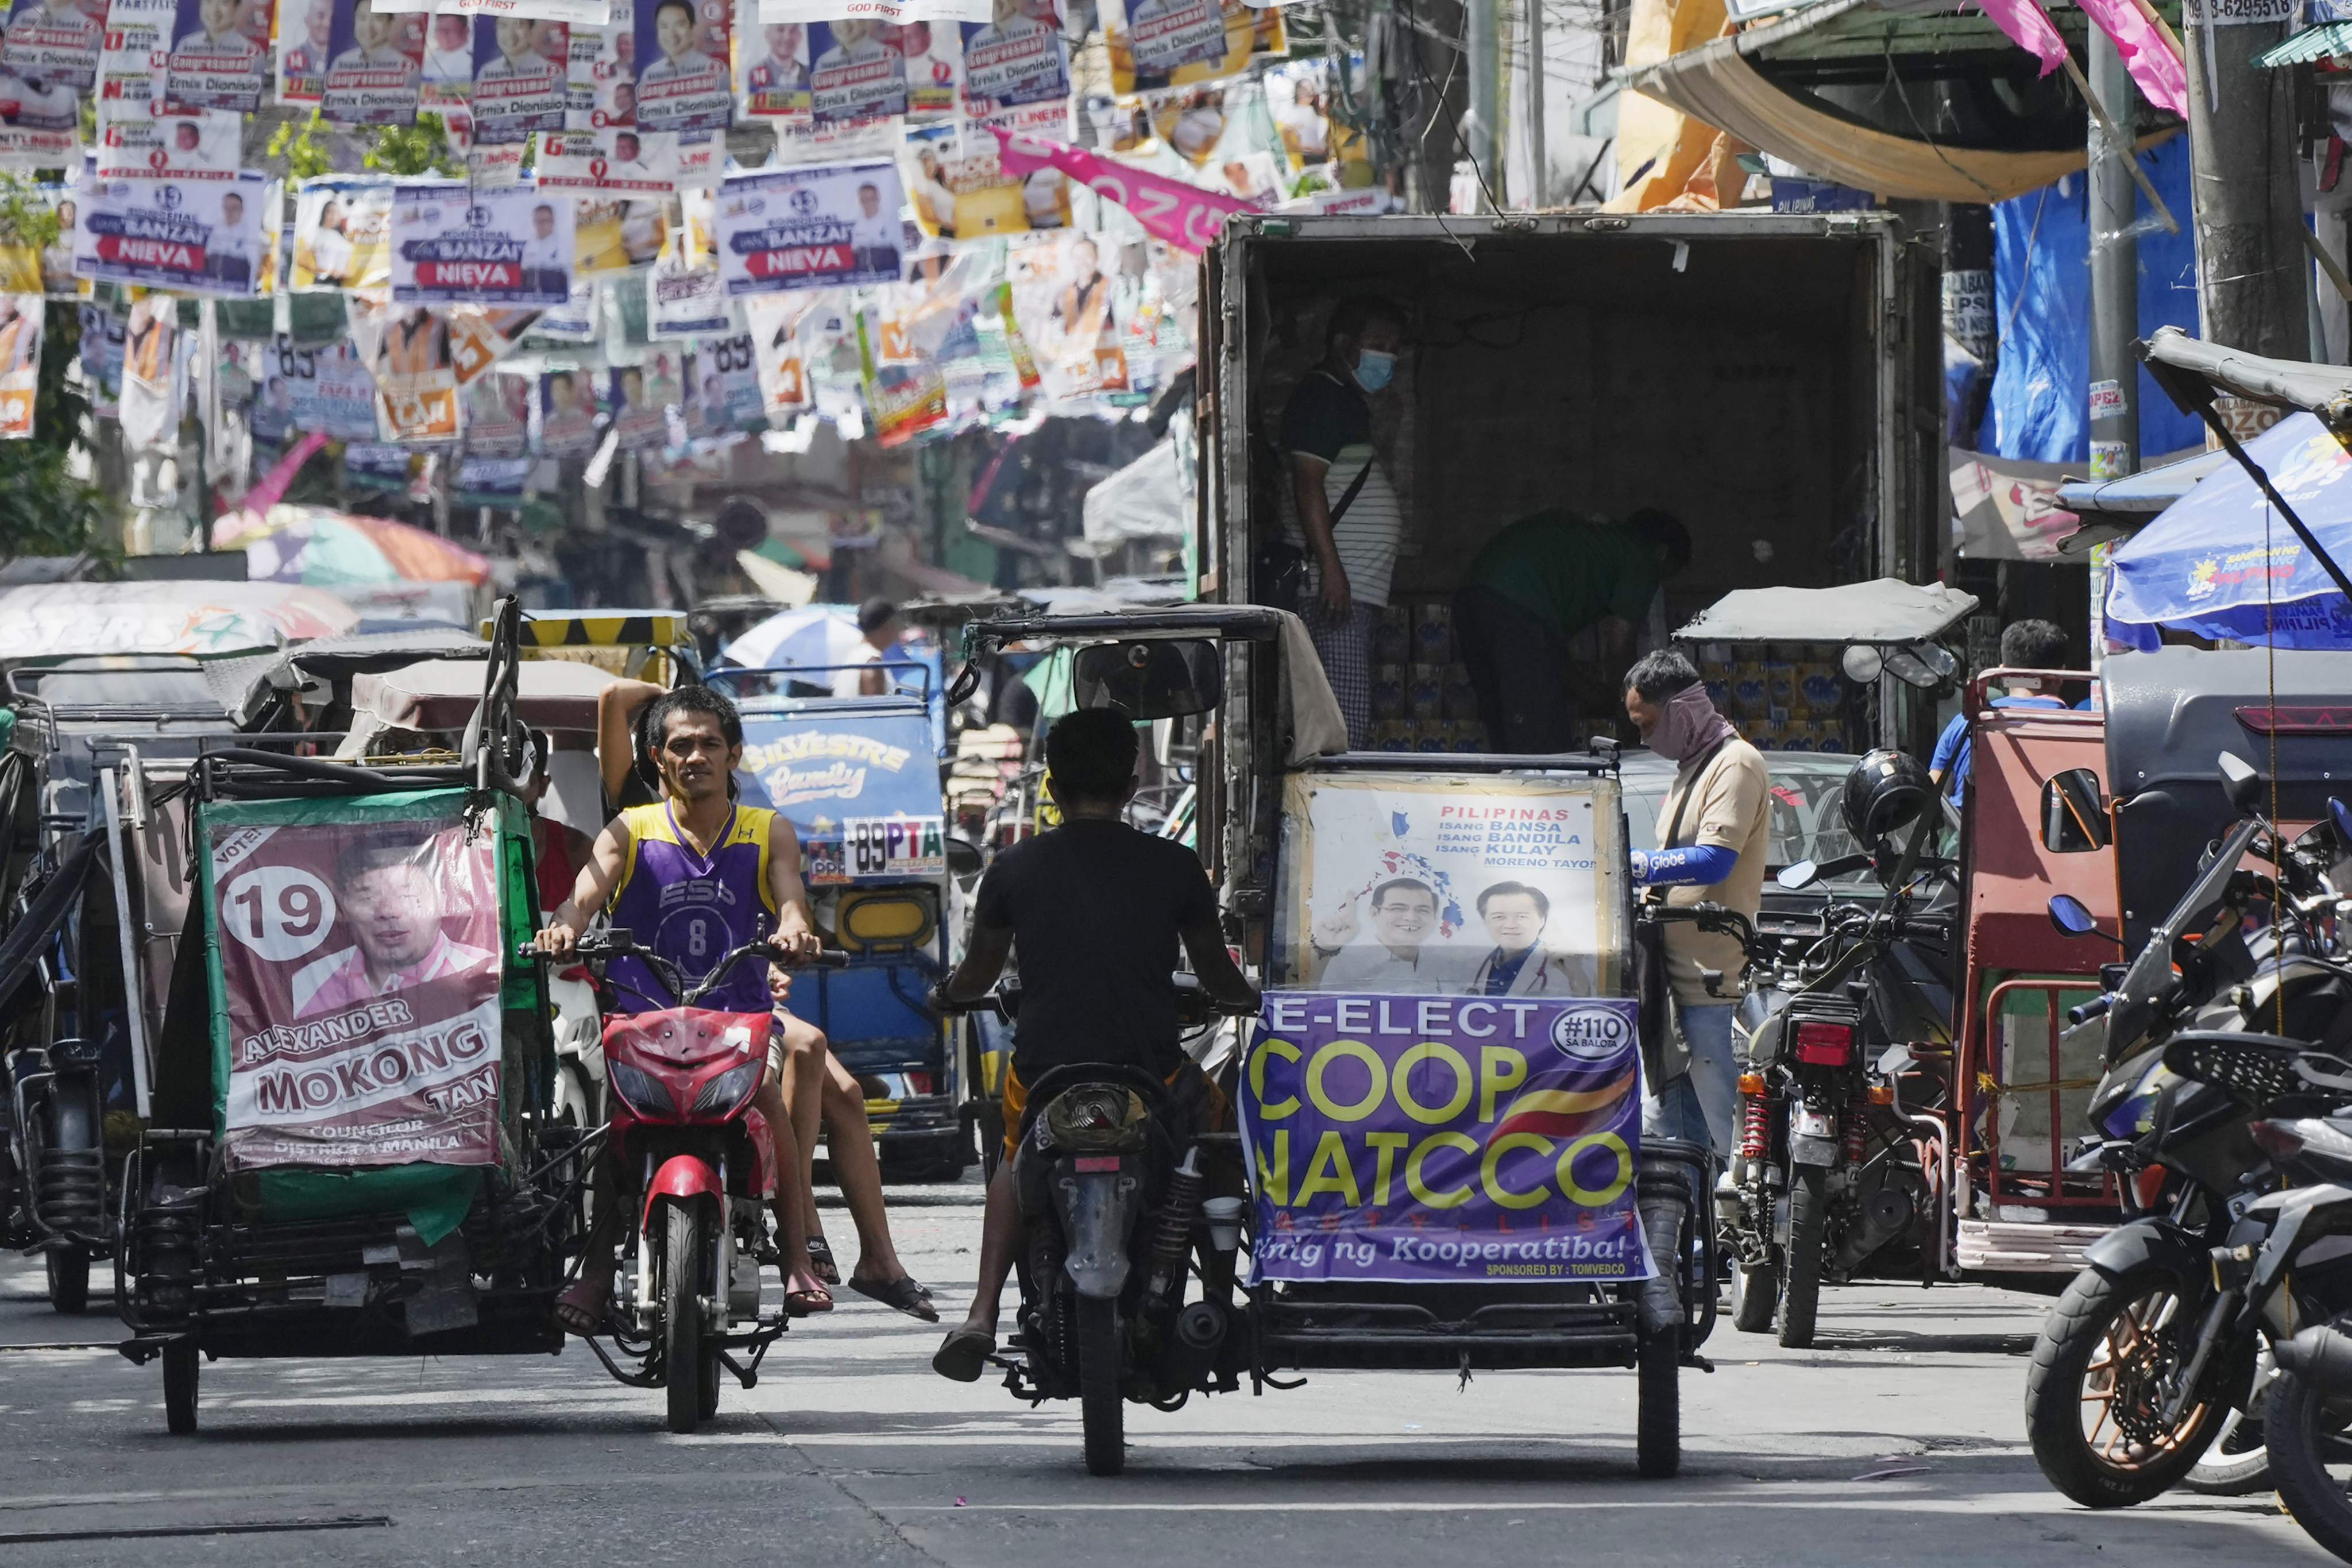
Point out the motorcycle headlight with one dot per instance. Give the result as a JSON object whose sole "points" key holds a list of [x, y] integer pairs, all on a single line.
{"points": [[643, 1092], [731, 1089], [1097, 1116]]}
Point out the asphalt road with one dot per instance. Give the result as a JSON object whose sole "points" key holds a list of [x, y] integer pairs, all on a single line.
{"points": [[1899, 1440]]}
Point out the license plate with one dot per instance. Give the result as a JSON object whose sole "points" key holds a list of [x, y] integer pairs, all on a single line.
{"points": [[1097, 1162], [894, 846], [1816, 1124]]}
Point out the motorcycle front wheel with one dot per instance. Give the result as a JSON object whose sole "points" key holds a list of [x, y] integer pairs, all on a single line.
{"points": [[682, 1354], [1100, 1402], [68, 1272], [2103, 1370], [1801, 1283], [2310, 1459]]}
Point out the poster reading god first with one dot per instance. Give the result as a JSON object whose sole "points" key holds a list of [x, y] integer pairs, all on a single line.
{"points": [[1444, 1140], [359, 965], [453, 244]]}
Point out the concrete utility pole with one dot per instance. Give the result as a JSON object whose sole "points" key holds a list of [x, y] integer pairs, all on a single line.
{"points": [[1482, 127], [1539, 172], [2241, 151], [2114, 272]]}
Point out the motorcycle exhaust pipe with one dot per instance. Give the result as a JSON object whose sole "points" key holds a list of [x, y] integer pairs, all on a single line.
{"points": [[2321, 1356]]}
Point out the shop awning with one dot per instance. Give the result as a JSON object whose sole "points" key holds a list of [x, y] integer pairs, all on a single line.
{"points": [[2329, 40], [1885, 610], [2323, 389], [2139, 497]]}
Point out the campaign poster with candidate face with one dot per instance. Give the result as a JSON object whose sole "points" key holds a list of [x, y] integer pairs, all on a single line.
{"points": [[685, 299], [416, 378], [810, 228], [342, 235], [132, 65], [151, 382], [497, 414], [724, 376], [358, 966], [374, 65], [617, 235], [445, 80], [39, 127], [104, 333], [622, 160], [772, 66], [682, 53], [567, 414], [1156, 44], [453, 244], [205, 239], [55, 42], [154, 141], [1427, 884], [217, 59], [306, 33], [854, 74], [638, 422], [1015, 60], [20, 363], [329, 390], [958, 188], [776, 351], [602, 81], [520, 67]]}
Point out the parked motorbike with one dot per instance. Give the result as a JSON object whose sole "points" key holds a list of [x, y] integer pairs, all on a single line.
{"points": [[1122, 1199], [53, 1171], [2146, 1361], [1834, 1166], [680, 1083]]}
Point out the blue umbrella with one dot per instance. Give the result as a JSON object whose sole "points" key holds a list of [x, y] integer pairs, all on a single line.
{"points": [[2222, 562]]}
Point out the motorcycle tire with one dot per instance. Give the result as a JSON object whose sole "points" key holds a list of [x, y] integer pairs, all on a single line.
{"points": [[2305, 1437], [1755, 1297], [2237, 1463], [1801, 1281], [682, 1354], [2108, 1466], [68, 1271], [180, 1363], [1658, 1408], [1101, 1404]]}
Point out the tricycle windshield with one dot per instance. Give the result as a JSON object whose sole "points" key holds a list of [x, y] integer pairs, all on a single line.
{"points": [[2151, 970]]}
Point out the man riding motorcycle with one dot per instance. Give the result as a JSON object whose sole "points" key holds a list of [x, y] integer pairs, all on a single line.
{"points": [[695, 876], [1097, 909]]}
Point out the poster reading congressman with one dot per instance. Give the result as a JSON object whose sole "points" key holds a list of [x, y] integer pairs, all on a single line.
{"points": [[220, 54], [520, 67], [810, 228], [56, 42], [374, 65], [358, 965], [1014, 61], [853, 74], [1444, 1140], [1474, 887], [453, 244], [208, 239], [682, 51]]}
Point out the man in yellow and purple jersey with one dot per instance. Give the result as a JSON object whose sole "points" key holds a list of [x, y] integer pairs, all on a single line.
{"points": [[695, 876]]}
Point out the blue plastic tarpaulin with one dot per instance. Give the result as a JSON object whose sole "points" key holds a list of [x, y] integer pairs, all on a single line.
{"points": [[2042, 307], [2220, 562]]}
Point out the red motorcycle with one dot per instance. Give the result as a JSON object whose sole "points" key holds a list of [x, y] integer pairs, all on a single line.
{"points": [[693, 1162]]}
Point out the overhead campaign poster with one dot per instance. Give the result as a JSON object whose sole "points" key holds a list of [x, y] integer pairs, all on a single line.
{"points": [[772, 66], [621, 161], [854, 74], [784, 383], [479, 338], [590, 12], [451, 245], [639, 422], [374, 65], [497, 416], [810, 228], [520, 70], [342, 235], [416, 378], [157, 141], [723, 380], [21, 325], [56, 42], [682, 53], [154, 354], [327, 390], [685, 297], [208, 239], [601, 85], [358, 964], [446, 79], [220, 54], [567, 414], [1017, 69]]}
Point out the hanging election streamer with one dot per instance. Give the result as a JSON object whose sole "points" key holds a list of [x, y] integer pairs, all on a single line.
{"points": [[1184, 215], [574, 320], [682, 51], [619, 160], [417, 379], [852, 74], [56, 42], [220, 54], [784, 387], [342, 235], [520, 70], [327, 390], [373, 66], [152, 140], [566, 414], [637, 421], [497, 416], [208, 240], [450, 244], [20, 363], [490, 481], [685, 297], [810, 228]]}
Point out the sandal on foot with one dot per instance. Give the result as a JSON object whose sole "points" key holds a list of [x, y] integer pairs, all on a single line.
{"points": [[903, 1294], [964, 1355], [584, 1307], [821, 1260], [805, 1302]]}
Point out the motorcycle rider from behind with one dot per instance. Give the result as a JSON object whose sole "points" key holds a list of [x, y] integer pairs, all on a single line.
{"points": [[695, 876], [1095, 910]]}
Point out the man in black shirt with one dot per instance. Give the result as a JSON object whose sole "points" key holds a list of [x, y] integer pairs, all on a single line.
{"points": [[1097, 909]]}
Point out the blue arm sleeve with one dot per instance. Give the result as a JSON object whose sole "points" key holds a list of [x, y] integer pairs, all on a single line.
{"points": [[1698, 866]]}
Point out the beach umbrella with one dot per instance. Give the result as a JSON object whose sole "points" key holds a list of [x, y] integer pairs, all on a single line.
{"points": [[59, 620], [2220, 562], [810, 638], [329, 549]]}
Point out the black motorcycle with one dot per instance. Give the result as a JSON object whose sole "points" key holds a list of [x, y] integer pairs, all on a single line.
{"points": [[2146, 1360]]}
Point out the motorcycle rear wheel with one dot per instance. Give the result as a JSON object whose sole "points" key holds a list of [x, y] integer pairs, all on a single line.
{"points": [[1658, 1408], [2306, 1437], [68, 1269], [180, 1366], [1801, 1281], [2093, 1398], [1101, 1405], [682, 1355]]}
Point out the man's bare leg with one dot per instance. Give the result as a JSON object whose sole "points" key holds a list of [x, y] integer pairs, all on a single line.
{"points": [[998, 1222], [806, 1056], [582, 1306], [791, 1187]]}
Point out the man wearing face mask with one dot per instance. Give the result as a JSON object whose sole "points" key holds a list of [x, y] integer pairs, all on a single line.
{"points": [[1338, 505], [1711, 836]]}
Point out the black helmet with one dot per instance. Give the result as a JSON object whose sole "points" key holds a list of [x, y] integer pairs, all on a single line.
{"points": [[1883, 793]]}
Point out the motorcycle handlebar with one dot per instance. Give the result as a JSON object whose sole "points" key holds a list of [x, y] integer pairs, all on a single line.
{"points": [[2094, 1008], [1707, 916]]}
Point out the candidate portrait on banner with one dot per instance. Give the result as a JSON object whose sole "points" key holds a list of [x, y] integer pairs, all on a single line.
{"points": [[372, 78], [682, 51], [215, 62]]}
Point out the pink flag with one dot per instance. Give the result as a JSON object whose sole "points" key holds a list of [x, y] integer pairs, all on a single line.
{"points": [[1186, 217], [2029, 29], [2147, 54]]}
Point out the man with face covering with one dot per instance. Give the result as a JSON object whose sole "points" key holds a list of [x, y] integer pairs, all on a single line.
{"points": [[1711, 833]]}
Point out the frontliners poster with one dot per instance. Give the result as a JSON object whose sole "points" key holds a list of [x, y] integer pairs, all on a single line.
{"points": [[359, 965], [451, 245], [1443, 1140], [220, 54], [810, 228], [682, 49], [206, 240]]}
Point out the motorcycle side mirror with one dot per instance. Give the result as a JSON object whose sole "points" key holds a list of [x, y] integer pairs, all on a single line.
{"points": [[1862, 663], [964, 858], [2072, 917], [2241, 783], [2073, 813], [1797, 876], [2341, 815]]}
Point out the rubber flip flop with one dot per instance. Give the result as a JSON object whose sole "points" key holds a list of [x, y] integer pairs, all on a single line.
{"points": [[902, 1294], [965, 1355], [582, 1309], [821, 1260]]}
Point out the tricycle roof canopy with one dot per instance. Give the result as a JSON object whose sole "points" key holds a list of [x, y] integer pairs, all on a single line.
{"points": [[1885, 610]]}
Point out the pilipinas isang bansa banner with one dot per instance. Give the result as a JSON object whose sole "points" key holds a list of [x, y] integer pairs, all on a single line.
{"points": [[1445, 1139], [358, 973]]}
